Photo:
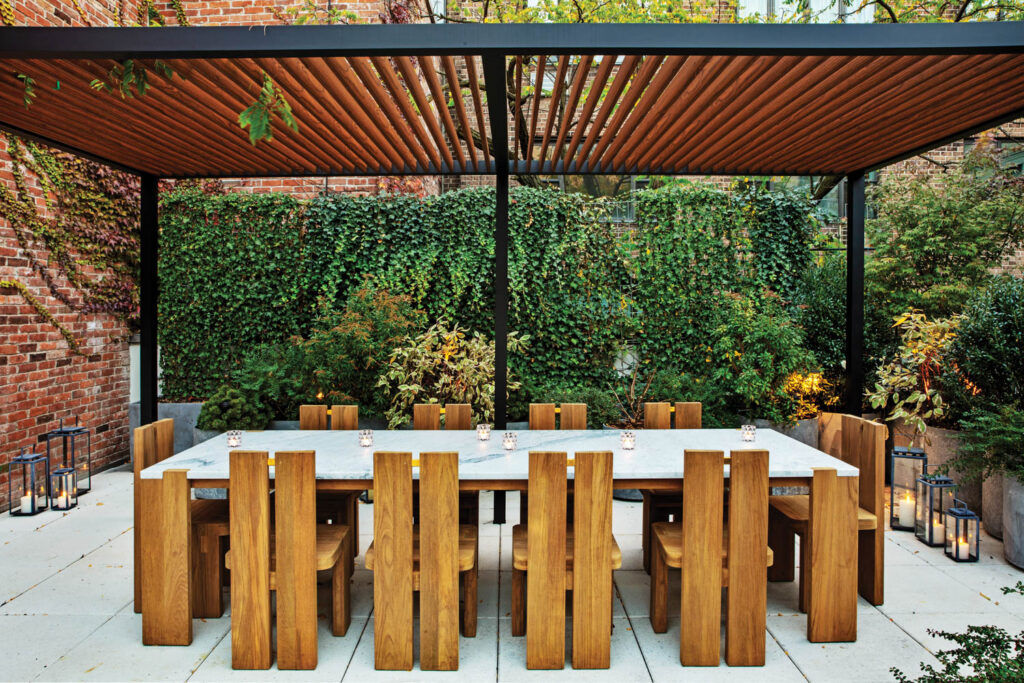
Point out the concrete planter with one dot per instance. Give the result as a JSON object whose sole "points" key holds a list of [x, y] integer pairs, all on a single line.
{"points": [[804, 431], [184, 416], [1013, 521], [941, 446], [992, 505]]}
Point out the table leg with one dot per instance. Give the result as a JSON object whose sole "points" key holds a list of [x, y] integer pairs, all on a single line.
{"points": [[165, 532], [832, 568], [499, 507]]}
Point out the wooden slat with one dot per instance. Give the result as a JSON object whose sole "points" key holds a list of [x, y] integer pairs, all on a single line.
{"points": [[415, 88], [145, 449], [830, 434], [439, 561], [553, 104], [542, 416], [592, 560], [688, 415], [426, 416], [604, 70], [579, 81], [441, 106], [400, 97], [831, 574], [458, 416], [545, 580], [344, 417], [164, 438], [538, 88], [623, 75], [636, 89], [701, 594], [410, 131], [296, 563], [864, 444], [657, 416], [250, 551], [574, 416], [474, 89], [746, 599], [392, 570], [312, 417], [454, 86], [166, 569]]}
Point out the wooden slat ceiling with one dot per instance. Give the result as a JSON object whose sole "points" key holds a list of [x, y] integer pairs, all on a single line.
{"points": [[678, 114]]}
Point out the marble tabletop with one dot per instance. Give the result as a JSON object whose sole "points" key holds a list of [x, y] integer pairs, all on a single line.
{"points": [[658, 453]]}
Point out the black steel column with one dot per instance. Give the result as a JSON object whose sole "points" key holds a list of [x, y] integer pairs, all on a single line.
{"points": [[148, 296], [854, 292], [497, 110]]}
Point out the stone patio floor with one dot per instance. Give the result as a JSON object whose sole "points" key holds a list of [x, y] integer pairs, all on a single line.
{"points": [[66, 611]]}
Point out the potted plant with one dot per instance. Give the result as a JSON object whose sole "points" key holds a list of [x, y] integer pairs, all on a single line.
{"points": [[229, 408]]}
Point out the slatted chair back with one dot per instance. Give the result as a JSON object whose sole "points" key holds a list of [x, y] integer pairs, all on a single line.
{"points": [[295, 558], [250, 550], [426, 416], [830, 437], [164, 438], [542, 416], [439, 561], [657, 416], [458, 416], [545, 580], [688, 414], [592, 561], [574, 416], [345, 417], [153, 443], [312, 417], [393, 563], [864, 448]]}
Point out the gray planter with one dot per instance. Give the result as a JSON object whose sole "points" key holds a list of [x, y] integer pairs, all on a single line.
{"points": [[201, 435], [1013, 521], [992, 505], [184, 416], [804, 431]]}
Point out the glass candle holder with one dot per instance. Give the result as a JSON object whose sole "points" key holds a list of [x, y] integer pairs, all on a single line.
{"points": [[63, 489], [628, 440], [509, 440], [483, 432], [748, 432], [234, 438], [365, 438]]}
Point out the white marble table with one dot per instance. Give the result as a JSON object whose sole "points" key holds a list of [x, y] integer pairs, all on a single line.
{"points": [[658, 454]]}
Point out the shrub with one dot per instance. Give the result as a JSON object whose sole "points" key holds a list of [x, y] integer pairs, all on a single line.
{"points": [[991, 339], [781, 225], [819, 307], [990, 443], [276, 374], [671, 387], [602, 408], [229, 408], [442, 365]]}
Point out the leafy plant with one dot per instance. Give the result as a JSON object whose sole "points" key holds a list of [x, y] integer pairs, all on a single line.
{"points": [[909, 385], [818, 305], [990, 340], [257, 116], [602, 408], [990, 443], [443, 365], [630, 397], [230, 408], [810, 392], [276, 374], [781, 225], [29, 90], [129, 77]]}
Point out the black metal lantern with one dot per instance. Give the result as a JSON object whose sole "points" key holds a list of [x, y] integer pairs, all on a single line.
{"points": [[934, 497], [27, 479], [908, 465], [63, 489], [963, 533], [74, 457]]}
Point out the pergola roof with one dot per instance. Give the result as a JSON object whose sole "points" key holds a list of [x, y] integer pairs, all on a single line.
{"points": [[658, 99]]}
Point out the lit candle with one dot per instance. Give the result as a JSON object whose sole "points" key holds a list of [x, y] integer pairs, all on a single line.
{"points": [[508, 442], [62, 501], [907, 510], [938, 530], [749, 432], [483, 432], [628, 440], [365, 438], [963, 549], [234, 438], [26, 503]]}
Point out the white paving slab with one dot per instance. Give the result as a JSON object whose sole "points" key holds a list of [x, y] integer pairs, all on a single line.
{"points": [[30, 644]]}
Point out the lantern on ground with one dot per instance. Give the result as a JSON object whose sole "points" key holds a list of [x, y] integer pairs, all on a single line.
{"points": [[908, 465], [934, 496], [72, 439], [963, 537], [27, 478], [63, 489]]}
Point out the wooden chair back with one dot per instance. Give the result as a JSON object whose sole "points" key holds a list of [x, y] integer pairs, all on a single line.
{"points": [[250, 551], [688, 414], [657, 416], [312, 417], [542, 416], [746, 599], [426, 416], [592, 552], [574, 416], [393, 563], [345, 417], [545, 416], [458, 416], [153, 443], [439, 561], [830, 434], [295, 558]]}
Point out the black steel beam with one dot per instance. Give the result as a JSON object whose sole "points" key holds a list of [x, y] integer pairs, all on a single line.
{"points": [[149, 292], [499, 40], [43, 140], [854, 293]]}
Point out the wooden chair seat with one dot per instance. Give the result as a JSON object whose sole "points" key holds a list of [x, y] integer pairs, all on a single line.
{"points": [[467, 550], [212, 515], [519, 545], [668, 538], [330, 543], [798, 509]]}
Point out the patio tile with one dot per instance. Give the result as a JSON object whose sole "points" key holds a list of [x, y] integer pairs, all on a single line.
{"points": [[917, 626], [880, 645], [490, 551], [333, 657], [113, 653], [29, 646], [477, 658], [634, 589], [661, 652], [930, 590], [627, 661]]}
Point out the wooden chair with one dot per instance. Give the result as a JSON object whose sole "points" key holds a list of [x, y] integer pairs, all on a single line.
{"points": [[544, 416], [209, 526], [335, 507], [456, 416], [284, 558], [428, 557], [713, 554], [660, 506], [544, 566], [860, 443]]}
